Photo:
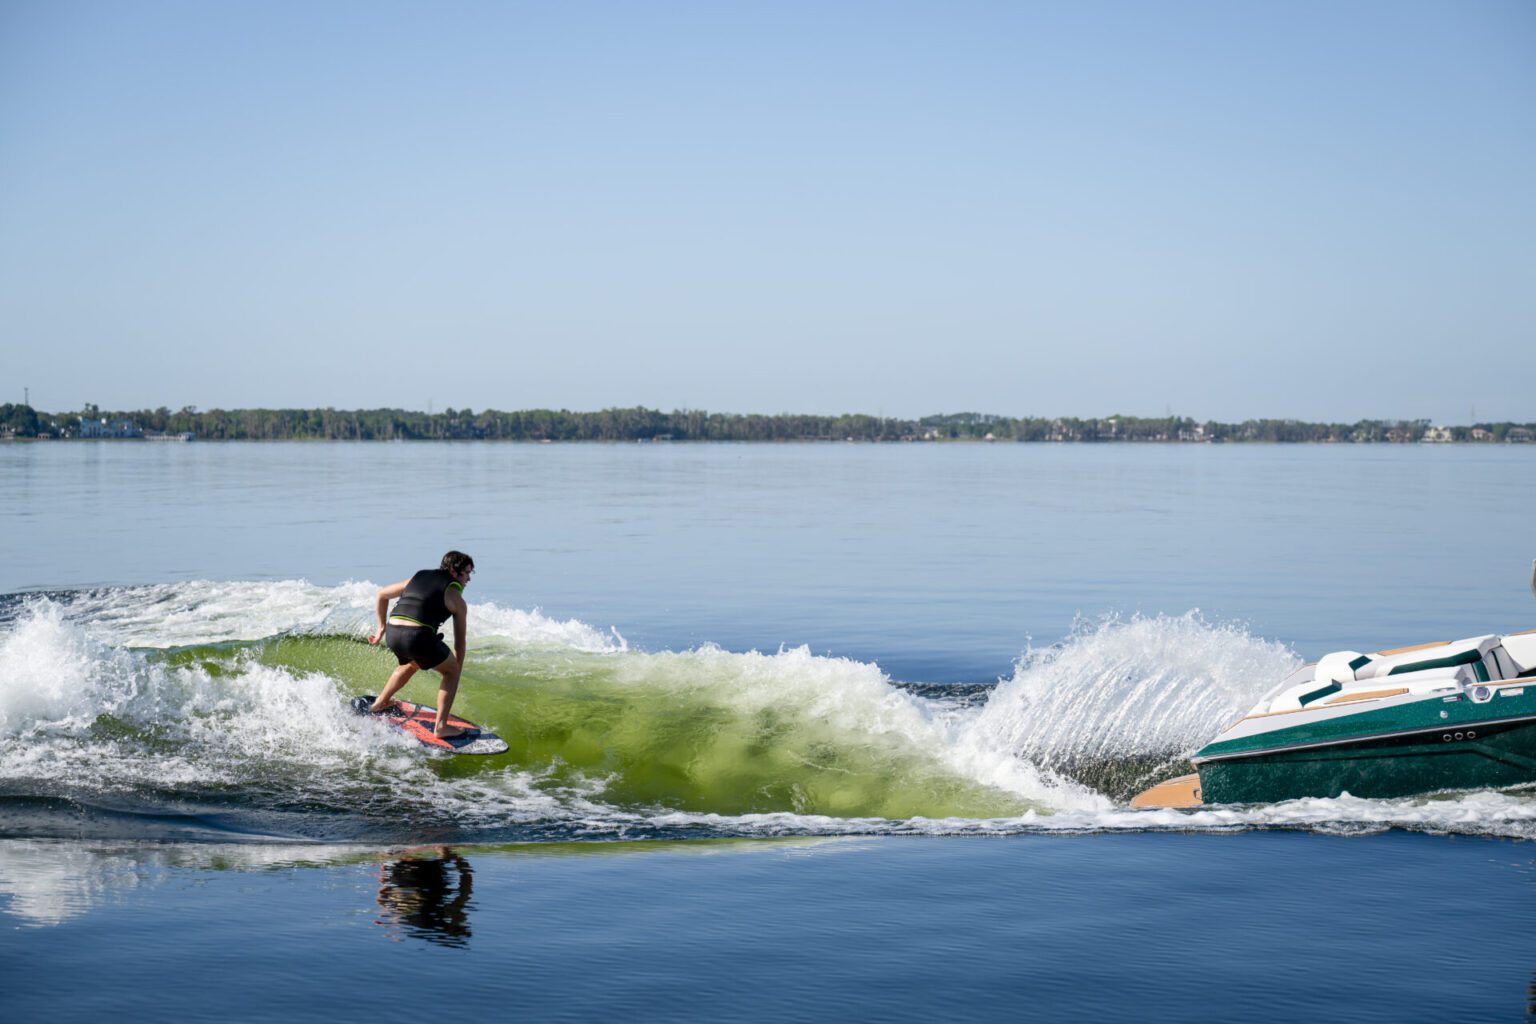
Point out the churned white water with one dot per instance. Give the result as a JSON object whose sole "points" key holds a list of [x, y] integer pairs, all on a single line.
{"points": [[1138, 686], [98, 701]]}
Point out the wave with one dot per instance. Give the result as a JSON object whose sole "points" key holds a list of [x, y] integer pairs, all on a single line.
{"points": [[1121, 704], [217, 712]]}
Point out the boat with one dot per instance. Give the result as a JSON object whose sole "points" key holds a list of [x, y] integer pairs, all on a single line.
{"points": [[1447, 715]]}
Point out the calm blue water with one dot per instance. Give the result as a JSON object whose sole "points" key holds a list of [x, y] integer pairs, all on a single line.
{"points": [[703, 649], [1262, 926]]}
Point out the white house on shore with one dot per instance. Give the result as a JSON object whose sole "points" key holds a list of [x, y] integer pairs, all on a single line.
{"points": [[109, 428]]}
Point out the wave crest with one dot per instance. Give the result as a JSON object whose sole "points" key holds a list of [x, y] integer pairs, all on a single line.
{"points": [[1120, 699]]}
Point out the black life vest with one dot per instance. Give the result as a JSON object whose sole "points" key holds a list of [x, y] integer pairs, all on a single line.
{"points": [[422, 600]]}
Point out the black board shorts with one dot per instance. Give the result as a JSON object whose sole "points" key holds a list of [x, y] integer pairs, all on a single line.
{"points": [[416, 643]]}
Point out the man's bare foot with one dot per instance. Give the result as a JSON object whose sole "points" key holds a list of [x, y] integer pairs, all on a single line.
{"points": [[449, 732], [380, 709]]}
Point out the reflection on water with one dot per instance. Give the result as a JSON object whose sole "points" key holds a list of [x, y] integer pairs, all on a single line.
{"points": [[426, 896], [46, 883], [423, 892]]}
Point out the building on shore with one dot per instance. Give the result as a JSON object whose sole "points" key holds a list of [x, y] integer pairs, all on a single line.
{"points": [[109, 428]]}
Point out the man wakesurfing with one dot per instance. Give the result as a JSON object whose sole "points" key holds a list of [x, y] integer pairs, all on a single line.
{"points": [[426, 600]]}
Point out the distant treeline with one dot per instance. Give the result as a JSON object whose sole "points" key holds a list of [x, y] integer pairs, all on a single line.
{"points": [[641, 424]]}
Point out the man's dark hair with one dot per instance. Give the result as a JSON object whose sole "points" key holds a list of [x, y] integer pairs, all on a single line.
{"points": [[457, 561]]}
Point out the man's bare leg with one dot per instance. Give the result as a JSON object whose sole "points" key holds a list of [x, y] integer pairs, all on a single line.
{"points": [[446, 691], [397, 679]]}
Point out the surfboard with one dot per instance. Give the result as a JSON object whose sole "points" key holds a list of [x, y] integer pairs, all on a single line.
{"points": [[417, 720]]}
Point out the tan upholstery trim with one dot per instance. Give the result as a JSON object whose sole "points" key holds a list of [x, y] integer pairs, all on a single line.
{"points": [[1418, 647], [1340, 699], [1345, 698]]}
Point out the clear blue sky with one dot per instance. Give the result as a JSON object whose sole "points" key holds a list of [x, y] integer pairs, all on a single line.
{"points": [[1319, 210]]}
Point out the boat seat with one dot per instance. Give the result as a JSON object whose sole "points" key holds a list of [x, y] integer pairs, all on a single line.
{"points": [[1462, 663], [1521, 647], [1500, 665], [1340, 667], [1312, 693], [1485, 655]]}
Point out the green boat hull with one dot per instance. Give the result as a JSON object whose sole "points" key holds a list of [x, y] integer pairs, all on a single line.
{"points": [[1496, 754]]}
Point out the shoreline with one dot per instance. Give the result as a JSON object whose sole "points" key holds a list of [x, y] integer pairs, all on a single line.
{"points": [[770, 442]]}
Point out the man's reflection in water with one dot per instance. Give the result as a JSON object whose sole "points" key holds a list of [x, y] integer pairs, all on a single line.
{"points": [[418, 895]]}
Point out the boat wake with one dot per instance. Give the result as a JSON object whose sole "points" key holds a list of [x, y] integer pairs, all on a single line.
{"points": [[217, 712]]}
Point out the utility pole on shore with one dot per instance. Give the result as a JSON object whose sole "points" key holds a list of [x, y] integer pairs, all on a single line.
{"points": [[26, 397]]}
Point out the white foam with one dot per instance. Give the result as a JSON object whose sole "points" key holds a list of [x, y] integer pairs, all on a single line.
{"points": [[489, 621], [230, 721], [1114, 689], [849, 694], [58, 681], [207, 611], [54, 676], [1159, 685], [1509, 815]]}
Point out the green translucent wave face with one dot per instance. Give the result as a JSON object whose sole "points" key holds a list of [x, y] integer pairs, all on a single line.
{"points": [[701, 731]]}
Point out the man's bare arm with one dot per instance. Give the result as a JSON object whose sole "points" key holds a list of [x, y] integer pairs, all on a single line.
{"points": [[381, 606], [460, 609]]}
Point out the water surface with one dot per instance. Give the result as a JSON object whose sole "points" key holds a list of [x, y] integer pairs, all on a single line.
{"points": [[940, 671]]}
